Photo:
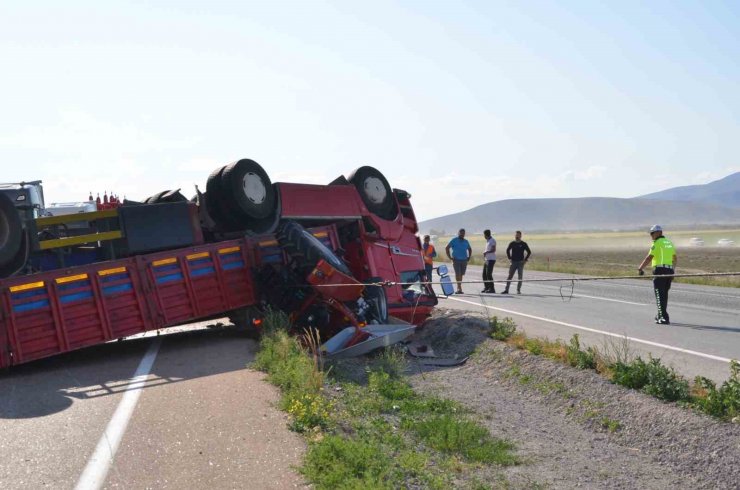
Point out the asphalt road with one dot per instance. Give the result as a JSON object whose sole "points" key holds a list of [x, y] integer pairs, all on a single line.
{"points": [[705, 320], [182, 410], [197, 419]]}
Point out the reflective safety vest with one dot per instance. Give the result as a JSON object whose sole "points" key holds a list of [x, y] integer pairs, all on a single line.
{"points": [[663, 252], [429, 253]]}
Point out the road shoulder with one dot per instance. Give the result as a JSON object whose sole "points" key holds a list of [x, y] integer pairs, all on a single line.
{"points": [[211, 422], [575, 428]]}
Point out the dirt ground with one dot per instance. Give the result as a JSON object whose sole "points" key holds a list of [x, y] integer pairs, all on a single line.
{"points": [[573, 428]]}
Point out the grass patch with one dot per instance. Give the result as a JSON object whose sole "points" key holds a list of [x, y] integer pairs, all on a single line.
{"points": [[456, 436], [299, 378], [501, 329], [610, 424], [379, 435], [723, 402], [617, 363], [654, 378]]}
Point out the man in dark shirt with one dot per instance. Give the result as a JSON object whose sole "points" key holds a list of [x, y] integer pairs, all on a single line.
{"points": [[515, 253]]}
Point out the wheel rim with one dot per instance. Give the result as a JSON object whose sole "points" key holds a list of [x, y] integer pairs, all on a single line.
{"points": [[254, 188], [375, 190]]}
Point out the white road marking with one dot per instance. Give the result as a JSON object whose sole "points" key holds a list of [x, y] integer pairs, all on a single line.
{"points": [[593, 330], [93, 477], [609, 299]]}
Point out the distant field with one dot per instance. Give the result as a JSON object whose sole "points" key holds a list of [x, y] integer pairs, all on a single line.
{"points": [[616, 254]]}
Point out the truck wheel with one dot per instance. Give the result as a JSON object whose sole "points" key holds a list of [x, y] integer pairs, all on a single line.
{"points": [[375, 192], [248, 189], [215, 200], [155, 197], [377, 297], [11, 230], [244, 320], [166, 196], [17, 263], [305, 249]]}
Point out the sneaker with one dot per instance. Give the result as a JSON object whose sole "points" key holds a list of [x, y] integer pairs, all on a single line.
{"points": [[505, 292], [485, 291], [459, 291], [662, 321], [518, 292]]}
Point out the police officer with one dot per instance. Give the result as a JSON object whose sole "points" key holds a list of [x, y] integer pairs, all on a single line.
{"points": [[662, 256]]}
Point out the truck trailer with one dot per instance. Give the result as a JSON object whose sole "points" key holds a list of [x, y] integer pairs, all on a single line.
{"points": [[332, 256]]}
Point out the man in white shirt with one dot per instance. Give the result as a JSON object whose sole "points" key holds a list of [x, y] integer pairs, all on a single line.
{"points": [[489, 260]]}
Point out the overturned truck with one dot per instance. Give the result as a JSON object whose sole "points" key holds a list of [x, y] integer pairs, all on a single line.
{"points": [[343, 258]]}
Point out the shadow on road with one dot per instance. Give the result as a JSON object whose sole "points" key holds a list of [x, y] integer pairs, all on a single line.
{"points": [[706, 327], [51, 385]]}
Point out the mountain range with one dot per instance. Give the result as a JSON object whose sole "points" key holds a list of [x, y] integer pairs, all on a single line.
{"points": [[714, 204]]}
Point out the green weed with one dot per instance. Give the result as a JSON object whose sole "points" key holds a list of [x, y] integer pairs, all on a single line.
{"points": [[392, 360], [653, 378], [580, 358], [340, 462], [467, 438], [501, 329], [610, 424], [723, 402]]}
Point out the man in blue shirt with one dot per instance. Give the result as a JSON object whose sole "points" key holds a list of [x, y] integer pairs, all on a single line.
{"points": [[461, 253]]}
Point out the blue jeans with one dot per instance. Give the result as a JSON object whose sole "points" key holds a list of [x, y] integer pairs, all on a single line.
{"points": [[429, 268]]}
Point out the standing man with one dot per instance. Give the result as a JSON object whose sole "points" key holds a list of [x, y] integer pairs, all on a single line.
{"points": [[662, 256], [461, 253], [515, 253], [428, 251], [489, 260]]}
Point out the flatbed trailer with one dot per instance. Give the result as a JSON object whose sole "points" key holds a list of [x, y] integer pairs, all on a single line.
{"points": [[56, 311]]}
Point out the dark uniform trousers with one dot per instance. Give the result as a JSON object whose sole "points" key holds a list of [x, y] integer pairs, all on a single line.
{"points": [[661, 286], [488, 275]]}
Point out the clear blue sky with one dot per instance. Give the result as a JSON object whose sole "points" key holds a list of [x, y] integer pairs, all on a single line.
{"points": [[460, 103]]}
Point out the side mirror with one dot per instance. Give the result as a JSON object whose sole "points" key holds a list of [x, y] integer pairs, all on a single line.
{"points": [[445, 281]]}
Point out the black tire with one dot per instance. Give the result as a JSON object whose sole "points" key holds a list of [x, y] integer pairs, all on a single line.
{"points": [[19, 262], [215, 202], [173, 196], [305, 249], [243, 320], [375, 192], [378, 299], [11, 230], [248, 190], [154, 198]]}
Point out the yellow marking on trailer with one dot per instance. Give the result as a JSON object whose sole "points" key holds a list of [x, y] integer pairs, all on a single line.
{"points": [[200, 255], [72, 218], [268, 243], [108, 272], [79, 240], [321, 234], [229, 250], [26, 287], [159, 262], [78, 277]]}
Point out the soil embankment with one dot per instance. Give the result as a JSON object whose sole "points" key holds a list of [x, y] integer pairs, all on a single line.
{"points": [[572, 427]]}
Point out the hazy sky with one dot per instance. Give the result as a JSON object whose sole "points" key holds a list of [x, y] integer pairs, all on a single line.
{"points": [[459, 103]]}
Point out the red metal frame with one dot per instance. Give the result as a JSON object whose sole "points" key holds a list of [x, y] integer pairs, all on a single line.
{"points": [[57, 311]]}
